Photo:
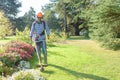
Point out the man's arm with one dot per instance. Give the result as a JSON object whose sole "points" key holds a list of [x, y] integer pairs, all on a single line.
{"points": [[32, 31], [47, 31]]}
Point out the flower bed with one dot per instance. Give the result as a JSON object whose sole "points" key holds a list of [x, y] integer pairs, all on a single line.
{"points": [[25, 50], [14, 52]]}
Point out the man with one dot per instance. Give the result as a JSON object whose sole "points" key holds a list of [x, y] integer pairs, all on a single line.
{"points": [[37, 34]]}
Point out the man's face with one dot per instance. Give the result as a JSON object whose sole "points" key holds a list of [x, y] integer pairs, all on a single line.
{"points": [[39, 18]]}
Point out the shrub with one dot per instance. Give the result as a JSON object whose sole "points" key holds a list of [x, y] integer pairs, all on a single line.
{"points": [[5, 25], [27, 75], [25, 50], [53, 37], [23, 35], [57, 36], [5, 70], [7, 62], [9, 59], [24, 76]]}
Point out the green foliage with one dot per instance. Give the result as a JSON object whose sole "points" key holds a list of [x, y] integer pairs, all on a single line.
{"points": [[26, 20], [51, 17], [53, 37], [10, 7], [100, 17], [103, 18], [24, 76], [23, 35], [67, 13], [7, 71], [29, 17], [27, 75], [57, 36], [5, 26], [9, 59]]}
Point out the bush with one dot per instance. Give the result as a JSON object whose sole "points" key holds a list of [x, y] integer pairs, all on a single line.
{"points": [[23, 35], [25, 50], [27, 75], [7, 62], [113, 44], [57, 36], [24, 76], [5, 70], [9, 59], [5, 25]]}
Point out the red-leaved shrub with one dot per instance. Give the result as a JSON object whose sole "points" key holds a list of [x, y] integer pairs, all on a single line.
{"points": [[25, 50]]}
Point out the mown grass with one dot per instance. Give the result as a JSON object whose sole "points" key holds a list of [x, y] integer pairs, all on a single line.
{"points": [[80, 60], [77, 59]]}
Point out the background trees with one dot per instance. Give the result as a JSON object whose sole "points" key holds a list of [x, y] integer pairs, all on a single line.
{"points": [[5, 26], [98, 19], [10, 7], [104, 23], [25, 20]]}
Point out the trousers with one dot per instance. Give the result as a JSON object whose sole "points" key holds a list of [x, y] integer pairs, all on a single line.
{"points": [[38, 46]]}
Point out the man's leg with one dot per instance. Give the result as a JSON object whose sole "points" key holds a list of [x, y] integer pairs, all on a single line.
{"points": [[38, 46], [44, 49]]}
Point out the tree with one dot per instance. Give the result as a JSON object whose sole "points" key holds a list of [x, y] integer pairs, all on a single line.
{"points": [[26, 20], [51, 17], [69, 12], [10, 7], [5, 26], [29, 17], [104, 20]]}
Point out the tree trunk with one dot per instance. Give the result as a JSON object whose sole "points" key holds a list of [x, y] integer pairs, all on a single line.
{"points": [[77, 31]]}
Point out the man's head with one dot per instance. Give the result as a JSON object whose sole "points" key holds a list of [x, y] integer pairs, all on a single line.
{"points": [[39, 15]]}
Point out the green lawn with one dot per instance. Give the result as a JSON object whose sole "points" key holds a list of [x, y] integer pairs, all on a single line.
{"points": [[80, 60], [76, 59]]}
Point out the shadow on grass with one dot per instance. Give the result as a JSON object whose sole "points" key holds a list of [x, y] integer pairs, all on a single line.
{"points": [[51, 45], [79, 74], [55, 53], [49, 72]]}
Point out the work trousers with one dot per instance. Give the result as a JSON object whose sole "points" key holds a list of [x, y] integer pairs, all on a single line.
{"points": [[38, 46]]}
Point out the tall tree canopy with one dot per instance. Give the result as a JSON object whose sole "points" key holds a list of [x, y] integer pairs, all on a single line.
{"points": [[51, 17], [26, 20], [68, 12], [100, 17], [104, 19], [10, 7]]}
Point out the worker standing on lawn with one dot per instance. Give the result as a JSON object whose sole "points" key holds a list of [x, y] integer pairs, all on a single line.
{"points": [[37, 34]]}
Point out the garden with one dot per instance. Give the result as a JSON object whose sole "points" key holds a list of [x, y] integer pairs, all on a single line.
{"points": [[84, 41]]}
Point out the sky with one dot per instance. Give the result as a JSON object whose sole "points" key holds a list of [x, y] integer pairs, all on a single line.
{"points": [[36, 4]]}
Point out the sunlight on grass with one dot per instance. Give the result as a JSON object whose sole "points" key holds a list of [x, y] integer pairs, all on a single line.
{"points": [[78, 60], [72, 61]]}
